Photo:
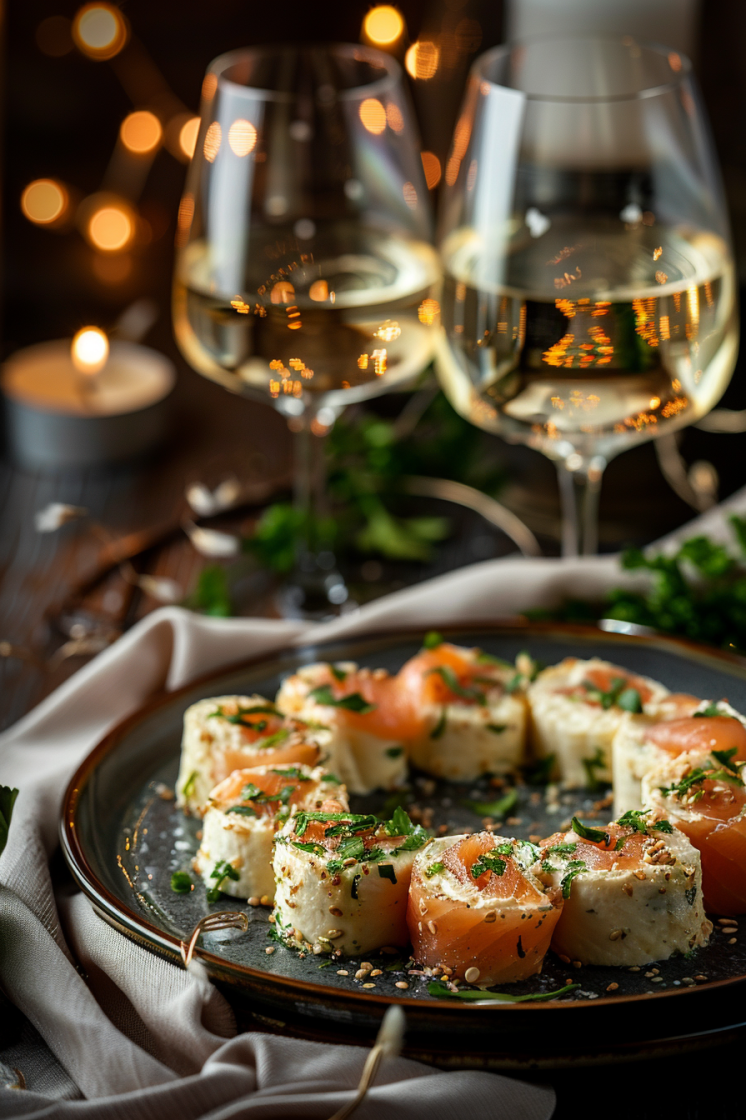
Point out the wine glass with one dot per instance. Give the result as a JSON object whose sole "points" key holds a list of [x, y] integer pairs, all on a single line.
{"points": [[589, 296], [304, 276]]}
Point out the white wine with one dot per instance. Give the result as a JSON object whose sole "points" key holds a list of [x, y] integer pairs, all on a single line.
{"points": [[590, 337], [341, 319]]}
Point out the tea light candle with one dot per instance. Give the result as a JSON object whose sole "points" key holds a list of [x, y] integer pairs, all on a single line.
{"points": [[85, 403]]}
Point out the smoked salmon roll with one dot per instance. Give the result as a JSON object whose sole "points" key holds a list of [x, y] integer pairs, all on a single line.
{"points": [[640, 745], [703, 794], [243, 814], [342, 880], [367, 719], [632, 891], [227, 733], [577, 708], [471, 712], [475, 907]]}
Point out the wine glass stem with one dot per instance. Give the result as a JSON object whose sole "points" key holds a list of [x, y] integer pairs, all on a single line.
{"points": [[309, 491], [579, 493]]}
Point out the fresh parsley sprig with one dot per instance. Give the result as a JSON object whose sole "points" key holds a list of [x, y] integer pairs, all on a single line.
{"points": [[440, 990], [353, 703], [220, 872]]}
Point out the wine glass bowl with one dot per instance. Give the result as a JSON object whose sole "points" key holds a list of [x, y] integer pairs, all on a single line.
{"points": [[589, 295], [304, 276]]}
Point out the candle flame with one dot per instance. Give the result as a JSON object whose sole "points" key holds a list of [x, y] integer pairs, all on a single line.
{"points": [[100, 30], [89, 350]]}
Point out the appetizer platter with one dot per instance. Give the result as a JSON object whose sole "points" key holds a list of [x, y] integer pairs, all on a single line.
{"points": [[492, 826]]}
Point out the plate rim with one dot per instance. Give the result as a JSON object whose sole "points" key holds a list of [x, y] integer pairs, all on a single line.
{"points": [[169, 945]]}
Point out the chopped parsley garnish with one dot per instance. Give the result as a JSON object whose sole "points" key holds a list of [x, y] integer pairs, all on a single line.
{"points": [[272, 740], [242, 810], [725, 759], [724, 771], [573, 868], [635, 819], [181, 882], [497, 728], [630, 700], [595, 835], [618, 695], [488, 659], [432, 640], [563, 849], [221, 871], [499, 808], [352, 824], [352, 703], [440, 990], [590, 765], [394, 752], [239, 716], [301, 821], [289, 772], [711, 710], [440, 725], [188, 788], [337, 673], [314, 849], [491, 861], [451, 681], [251, 792], [386, 871], [434, 869]]}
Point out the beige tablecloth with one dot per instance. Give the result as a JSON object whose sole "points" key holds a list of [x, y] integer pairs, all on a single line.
{"points": [[116, 1032]]}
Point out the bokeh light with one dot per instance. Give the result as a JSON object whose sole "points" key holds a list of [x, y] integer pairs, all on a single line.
{"points": [[188, 134], [213, 138], [432, 169], [99, 30], [111, 227], [45, 202], [241, 137], [209, 85], [422, 60], [373, 115], [89, 350], [410, 195], [383, 25], [141, 132], [394, 117]]}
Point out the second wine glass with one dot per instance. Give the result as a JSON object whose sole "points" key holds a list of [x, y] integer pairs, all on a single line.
{"points": [[589, 299], [304, 274]]}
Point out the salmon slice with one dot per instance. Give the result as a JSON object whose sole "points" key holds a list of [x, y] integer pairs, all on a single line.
{"points": [[490, 922], [293, 749], [602, 855], [605, 681], [426, 686], [391, 714], [699, 733], [261, 790]]}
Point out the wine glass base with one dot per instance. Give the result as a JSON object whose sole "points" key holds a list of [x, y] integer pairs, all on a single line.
{"points": [[316, 598]]}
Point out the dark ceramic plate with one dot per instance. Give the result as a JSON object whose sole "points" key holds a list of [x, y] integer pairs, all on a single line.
{"points": [[123, 839]]}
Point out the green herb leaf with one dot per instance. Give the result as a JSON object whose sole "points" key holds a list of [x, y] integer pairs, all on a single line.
{"points": [[386, 871], [440, 725], [188, 787], [725, 759], [181, 882], [434, 869], [440, 991], [352, 703], [590, 765], [337, 673], [394, 752], [449, 678], [573, 868], [212, 593], [312, 849], [432, 640], [630, 700], [499, 808], [563, 849], [710, 711], [242, 810], [272, 740], [489, 861], [497, 728], [595, 835], [221, 871]]}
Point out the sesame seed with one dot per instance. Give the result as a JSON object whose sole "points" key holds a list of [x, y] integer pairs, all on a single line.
{"points": [[727, 922], [361, 973], [612, 987], [265, 900], [615, 935], [564, 959], [687, 980], [471, 975], [269, 950], [376, 972], [577, 964], [657, 980], [634, 968], [369, 985], [349, 862], [490, 916], [401, 984], [366, 964], [701, 979], [254, 901], [335, 911], [640, 875], [334, 934], [342, 972], [432, 927], [649, 975]]}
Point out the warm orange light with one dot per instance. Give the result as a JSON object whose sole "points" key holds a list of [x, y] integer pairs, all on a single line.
{"points": [[209, 85], [431, 167], [428, 311], [383, 25], [99, 30], [373, 115], [141, 132], [282, 292], [44, 202], [89, 350], [241, 137], [188, 134], [410, 195], [213, 138], [422, 60], [394, 117], [111, 227], [319, 291]]}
